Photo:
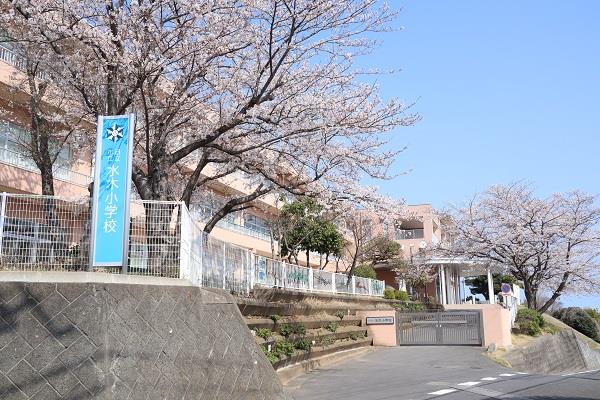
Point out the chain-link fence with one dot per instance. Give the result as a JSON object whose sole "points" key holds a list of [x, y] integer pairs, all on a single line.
{"points": [[47, 233], [43, 233]]}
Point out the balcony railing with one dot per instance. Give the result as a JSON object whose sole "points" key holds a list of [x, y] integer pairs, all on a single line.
{"points": [[19, 160], [404, 234], [203, 214], [10, 57]]}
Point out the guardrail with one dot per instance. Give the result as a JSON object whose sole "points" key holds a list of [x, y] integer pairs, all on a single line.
{"points": [[48, 233]]}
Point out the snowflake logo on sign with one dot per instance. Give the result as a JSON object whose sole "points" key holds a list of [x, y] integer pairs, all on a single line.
{"points": [[115, 133]]}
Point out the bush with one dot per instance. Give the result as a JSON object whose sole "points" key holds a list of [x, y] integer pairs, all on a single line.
{"points": [[401, 295], [275, 318], [530, 321], [263, 333], [594, 313], [410, 306], [340, 314], [303, 345], [580, 320], [271, 356], [365, 271], [286, 330], [391, 294], [299, 329], [283, 348], [332, 326], [326, 340]]}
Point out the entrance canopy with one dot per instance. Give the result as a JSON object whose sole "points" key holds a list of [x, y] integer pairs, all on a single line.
{"points": [[450, 270]]}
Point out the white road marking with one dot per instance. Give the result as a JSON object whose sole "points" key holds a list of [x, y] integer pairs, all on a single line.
{"points": [[489, 378], [468, 384], [522, 373], [507, 374], [443, 391], [582, 372]]}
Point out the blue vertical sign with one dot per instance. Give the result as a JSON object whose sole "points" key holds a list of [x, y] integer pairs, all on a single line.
{"points": [[112, 184]]}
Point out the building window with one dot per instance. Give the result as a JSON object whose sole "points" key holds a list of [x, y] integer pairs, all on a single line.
{"points": [[257, 224]]}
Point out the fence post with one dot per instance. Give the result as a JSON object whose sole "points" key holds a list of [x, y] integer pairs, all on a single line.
{"points": [[353, 284], [252, 264], [311, 274], [2, 212], [201, 267], [370, 289], [333, 283], [224, 264], [284, 275]]}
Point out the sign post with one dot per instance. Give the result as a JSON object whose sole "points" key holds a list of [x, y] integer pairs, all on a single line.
{"points": [[112, 186]]}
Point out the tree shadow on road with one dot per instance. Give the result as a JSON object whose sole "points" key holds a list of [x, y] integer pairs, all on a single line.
{"points": [[517, 397]]}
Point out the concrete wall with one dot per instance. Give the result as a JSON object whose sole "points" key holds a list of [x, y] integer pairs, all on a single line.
{"points": [[133, 339], [383, 335], [559, 353], [496, 323]]}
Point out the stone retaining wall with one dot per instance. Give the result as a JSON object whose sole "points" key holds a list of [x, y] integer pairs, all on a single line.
{"points": [[82, 340], [555, 354]]}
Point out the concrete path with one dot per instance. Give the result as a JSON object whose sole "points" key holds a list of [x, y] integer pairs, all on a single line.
{"points": [[445, 373]]}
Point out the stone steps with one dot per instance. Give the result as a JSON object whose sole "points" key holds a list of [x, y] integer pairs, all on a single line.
{"points": [[320, 351], [319, 335], [309, 323]]}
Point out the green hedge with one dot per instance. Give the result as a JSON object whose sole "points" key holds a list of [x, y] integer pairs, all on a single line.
{"points": [[578, 319], [392, 294], [365, 271], [530, 321]]}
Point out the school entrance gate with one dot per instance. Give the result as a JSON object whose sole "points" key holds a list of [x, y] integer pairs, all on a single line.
{"points": [[461, 328]]}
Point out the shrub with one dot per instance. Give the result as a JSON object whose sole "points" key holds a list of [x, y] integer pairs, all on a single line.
{"points": [[271, 356], [263, 333], [410, 306], [365, 271], [401, 295], [303, 345], [594, 313], [530, 321], [340, 314], [275, 318], [391, 294], [283, 348], [299, 329], [326, 340], [332, 326], [286, 330], [580, 320]]}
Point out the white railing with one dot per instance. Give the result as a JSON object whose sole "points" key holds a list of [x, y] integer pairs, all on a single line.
{"points": [[204, 213], [20, 160], [44, 233], [272, 273], [404, 234], [10, 57]]}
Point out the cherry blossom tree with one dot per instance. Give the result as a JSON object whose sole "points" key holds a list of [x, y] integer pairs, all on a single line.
{"points": [[267, 89], [54, 120], [551, 244]]}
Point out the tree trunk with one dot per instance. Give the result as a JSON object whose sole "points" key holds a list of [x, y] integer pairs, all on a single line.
{"points": [[530, 294], [557, 293]]}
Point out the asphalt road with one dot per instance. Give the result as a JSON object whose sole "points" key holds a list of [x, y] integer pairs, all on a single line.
{"points": [[444, 373]]}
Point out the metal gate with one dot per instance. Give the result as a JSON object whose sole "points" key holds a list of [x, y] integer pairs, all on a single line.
{"points": [[440, 328]]}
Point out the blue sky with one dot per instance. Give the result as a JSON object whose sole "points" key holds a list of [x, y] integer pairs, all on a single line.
{"points": [[506, 90]]}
